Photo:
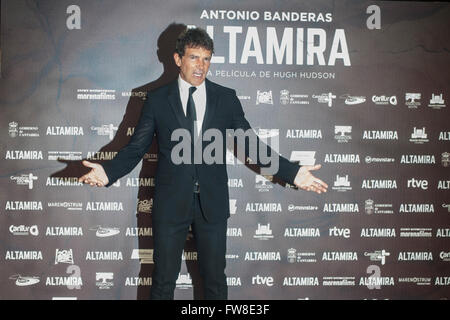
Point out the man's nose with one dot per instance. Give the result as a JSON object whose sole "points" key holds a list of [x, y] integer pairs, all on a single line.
{"points": [[200, 64]]}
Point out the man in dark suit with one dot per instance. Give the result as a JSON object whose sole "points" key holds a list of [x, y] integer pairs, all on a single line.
{"points": [[190, 193]]}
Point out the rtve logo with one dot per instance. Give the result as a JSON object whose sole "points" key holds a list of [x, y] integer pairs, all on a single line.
{"points": [[268, 281], [413, 183], [338, 232]]}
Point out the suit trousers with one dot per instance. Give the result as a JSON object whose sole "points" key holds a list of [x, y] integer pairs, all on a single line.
{"points": [[169, 240]]}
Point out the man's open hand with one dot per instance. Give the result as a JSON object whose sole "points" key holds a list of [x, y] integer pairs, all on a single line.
{"points": [[306, 181], [95, 177]]}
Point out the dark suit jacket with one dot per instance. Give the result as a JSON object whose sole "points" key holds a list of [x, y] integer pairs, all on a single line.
{"points": [[162, 113]]}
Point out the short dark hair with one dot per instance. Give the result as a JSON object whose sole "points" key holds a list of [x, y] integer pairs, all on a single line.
{"points": [[193, 38]]}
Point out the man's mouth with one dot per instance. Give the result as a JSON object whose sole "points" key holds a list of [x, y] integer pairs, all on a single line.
{"points": [[198, 74]]}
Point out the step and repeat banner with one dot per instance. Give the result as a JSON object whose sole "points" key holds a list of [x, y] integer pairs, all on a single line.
{"points": [[360, 87]]}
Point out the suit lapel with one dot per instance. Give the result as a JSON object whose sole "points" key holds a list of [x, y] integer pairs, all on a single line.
{"points": [[211, 104], [175, 103]]}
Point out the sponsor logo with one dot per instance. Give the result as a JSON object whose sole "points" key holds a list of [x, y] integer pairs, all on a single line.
{"points": [[293, 207], [370, 159], [105, 130], [23, 230], [417, 184], [102, 232], [104, 280], [353, 100], [287, 98], [342, 134], [145, 206], [294, 256], [378, 256], [261, 183], [445, 159], [65, 155], [437, 101], [25, 179], [339, 232], [420, 281], [377, 208], [96, 94], [263, 232], [71, 206], [233, 206], [416, 232], [14, 130], [266, 133], [24, 281], [338, 281], [419, 136], [303, 158], [384, 100], [264, 97], [342, 184], [411, 100], [145, 256], [64, 256], [261, 280], [184, 281], [326, 98], [444, 256]]}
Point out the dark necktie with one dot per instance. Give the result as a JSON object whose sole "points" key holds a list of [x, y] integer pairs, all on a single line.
{"points": [[191, 114]]}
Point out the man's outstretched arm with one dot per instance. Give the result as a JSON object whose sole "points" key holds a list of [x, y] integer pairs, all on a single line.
{"points": [[288, 171], [127, 158]]}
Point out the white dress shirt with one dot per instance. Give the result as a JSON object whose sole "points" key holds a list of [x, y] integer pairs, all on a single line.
{"points": [[199, 97]]}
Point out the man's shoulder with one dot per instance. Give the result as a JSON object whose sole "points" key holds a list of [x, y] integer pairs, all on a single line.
{"points": [[219, 88], [162, 91]]}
